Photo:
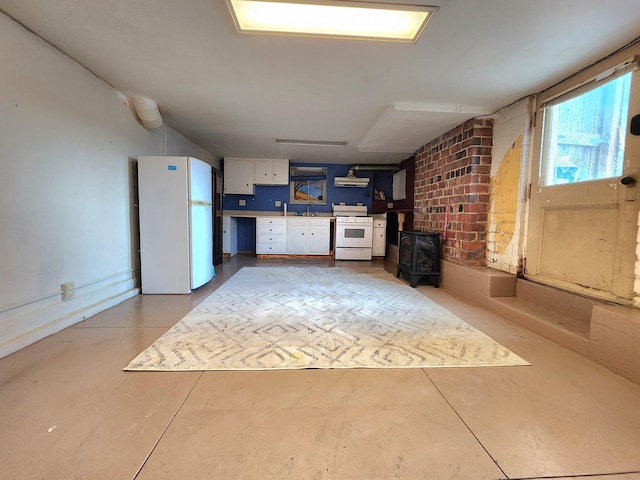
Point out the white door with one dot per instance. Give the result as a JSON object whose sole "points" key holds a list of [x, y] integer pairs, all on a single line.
{"points": [[583, 207]]}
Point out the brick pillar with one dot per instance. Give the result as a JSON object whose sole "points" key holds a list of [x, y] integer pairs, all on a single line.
{"points": [[454, 171]]}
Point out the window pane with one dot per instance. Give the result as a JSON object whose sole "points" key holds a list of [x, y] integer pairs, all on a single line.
{"points": [[309, 190], [584, 136], [308, 184]]}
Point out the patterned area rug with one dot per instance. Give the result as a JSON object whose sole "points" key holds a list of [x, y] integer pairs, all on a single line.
{"points": [[313, 317]]}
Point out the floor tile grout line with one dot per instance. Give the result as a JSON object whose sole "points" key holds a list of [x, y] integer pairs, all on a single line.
{"points": [[465, 424], [578, 476], [155, 445], [549, 477]]}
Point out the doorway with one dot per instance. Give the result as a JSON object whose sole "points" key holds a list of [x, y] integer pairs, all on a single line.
{"points": [[583, 209]]}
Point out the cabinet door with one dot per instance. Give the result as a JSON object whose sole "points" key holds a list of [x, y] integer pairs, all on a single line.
{"points": [[280, 172], [271, 171], [226, 235], [297, 235], [230, 235], [318, 240], [379, 242], [262, 172], [238, 176]]}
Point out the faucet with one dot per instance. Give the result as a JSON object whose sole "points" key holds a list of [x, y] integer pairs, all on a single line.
{"points": [[309, 205]]}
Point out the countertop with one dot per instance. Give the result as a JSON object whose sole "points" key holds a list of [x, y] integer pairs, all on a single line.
{"points": [[258, 214]]}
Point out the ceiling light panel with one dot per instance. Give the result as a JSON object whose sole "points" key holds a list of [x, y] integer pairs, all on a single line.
{"points": [[316, 143], [341, 19]]}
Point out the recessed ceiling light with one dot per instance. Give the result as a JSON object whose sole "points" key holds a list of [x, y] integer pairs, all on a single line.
{"points": [[317, 143], [341, 19]]}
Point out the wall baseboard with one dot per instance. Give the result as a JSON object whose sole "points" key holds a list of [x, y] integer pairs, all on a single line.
{"points": [[26, 325]]}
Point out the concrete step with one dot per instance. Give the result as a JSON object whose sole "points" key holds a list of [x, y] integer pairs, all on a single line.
{"points": [[561, 316], [570, 332]]}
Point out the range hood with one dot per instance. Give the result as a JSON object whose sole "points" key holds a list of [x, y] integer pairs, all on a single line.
{"points": [[350, 181]]}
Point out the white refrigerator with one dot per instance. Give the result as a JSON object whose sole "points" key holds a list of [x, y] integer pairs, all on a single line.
{"points": [[176, 229]]}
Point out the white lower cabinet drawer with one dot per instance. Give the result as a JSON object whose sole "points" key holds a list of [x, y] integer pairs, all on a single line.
{"points": [[272, 221], [271, 235], [271, 248]]}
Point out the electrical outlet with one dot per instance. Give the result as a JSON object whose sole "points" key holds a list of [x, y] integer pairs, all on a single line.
{"points": [[242, 203], [390, 205], [68, 290], [278, 203]]}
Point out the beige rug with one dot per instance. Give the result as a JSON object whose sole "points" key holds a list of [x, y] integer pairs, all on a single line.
{"points": [[314, 317]]}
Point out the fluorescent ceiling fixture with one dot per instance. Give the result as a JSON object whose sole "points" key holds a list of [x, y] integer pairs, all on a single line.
{"points": [[342, 19], [316, 143]]}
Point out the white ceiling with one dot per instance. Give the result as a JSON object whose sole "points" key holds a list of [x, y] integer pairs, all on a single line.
{"points": [[234, 94]]}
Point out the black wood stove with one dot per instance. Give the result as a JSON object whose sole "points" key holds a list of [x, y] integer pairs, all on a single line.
{"points": [[419, 257]]}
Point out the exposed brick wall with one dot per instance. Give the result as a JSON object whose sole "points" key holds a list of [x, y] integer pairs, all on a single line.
{"points": [[454, 170]]}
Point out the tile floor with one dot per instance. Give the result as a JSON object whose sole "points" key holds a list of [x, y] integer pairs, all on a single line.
{"points": [[68, 411]]}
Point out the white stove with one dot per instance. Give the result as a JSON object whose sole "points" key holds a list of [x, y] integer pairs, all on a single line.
{"points": [[354, 232]]}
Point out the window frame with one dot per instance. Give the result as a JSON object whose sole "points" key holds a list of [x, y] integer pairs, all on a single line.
{"points": [[579, 84], [318, 177]]}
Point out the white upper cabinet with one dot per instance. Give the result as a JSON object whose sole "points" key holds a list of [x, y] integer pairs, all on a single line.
{"points": [[238, 176], [271, 171], [241, 174]]}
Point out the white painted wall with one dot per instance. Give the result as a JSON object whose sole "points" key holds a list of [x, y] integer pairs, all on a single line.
{"points": [[179, 145], [66, 210]]}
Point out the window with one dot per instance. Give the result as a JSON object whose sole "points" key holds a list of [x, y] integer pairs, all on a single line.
{"points": [[308, 184], [583, 136]]}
